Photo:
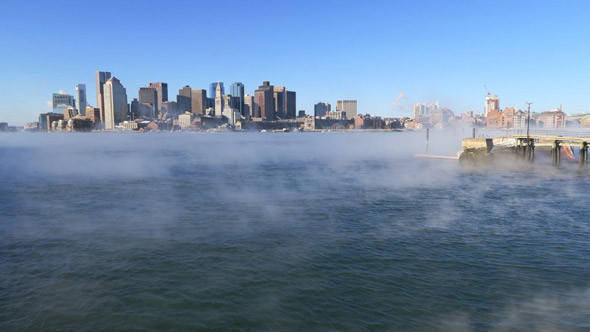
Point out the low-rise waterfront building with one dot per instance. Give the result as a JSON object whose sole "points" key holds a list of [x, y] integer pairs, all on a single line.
{"points": [[185, 120]]}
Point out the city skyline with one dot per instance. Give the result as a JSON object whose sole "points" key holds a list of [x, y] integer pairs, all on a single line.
{"points": [[380, 57]]}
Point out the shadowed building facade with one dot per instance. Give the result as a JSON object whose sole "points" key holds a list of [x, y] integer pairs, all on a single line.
{"points": [[199, 101], [149, 97], [321, 109], [264, 101], [162, 93], [101, 78], [183, 99], [237, 92]]}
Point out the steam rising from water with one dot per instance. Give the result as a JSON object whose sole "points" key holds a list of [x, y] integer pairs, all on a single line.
{"points": [[325, 231]]}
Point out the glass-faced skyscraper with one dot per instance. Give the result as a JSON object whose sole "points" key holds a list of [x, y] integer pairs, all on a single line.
{"points": [[236, 90]]}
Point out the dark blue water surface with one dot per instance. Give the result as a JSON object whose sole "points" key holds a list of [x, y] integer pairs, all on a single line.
{"points": [[285, 231]]}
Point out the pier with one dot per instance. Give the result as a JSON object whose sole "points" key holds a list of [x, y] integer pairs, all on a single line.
{"points": [[477, 150]]}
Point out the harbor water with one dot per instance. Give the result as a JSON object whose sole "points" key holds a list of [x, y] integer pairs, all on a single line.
{"points": [[285, 232]]}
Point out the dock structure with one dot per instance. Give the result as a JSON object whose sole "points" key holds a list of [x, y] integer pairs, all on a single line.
{"points": [[477, 150], [555, 142]]}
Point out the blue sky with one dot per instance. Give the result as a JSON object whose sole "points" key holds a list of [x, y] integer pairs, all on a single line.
{"points": [[372, 51]]}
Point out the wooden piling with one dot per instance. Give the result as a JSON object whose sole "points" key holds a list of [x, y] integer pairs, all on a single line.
{"points": [[555, 153], [583, 154], [530, 150]]}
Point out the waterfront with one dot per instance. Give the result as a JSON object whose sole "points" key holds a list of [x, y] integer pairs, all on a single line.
{"points": [[284, 231]]}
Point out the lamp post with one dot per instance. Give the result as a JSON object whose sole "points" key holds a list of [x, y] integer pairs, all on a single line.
{"points": [[529, 148], [528, 119]]}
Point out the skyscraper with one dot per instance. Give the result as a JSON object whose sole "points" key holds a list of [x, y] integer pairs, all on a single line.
{"points": [[291, 104], [149, 96], [219, 100], [101, 78], [285, 103], [199, 101], [263, 98], [134, 109], [81, 102], [347, 106], [115, 103], [162, 89], [492, 103], [321, 109], [279, 97], [237, 91], [249, 106], [424, 110], [183, 99]]}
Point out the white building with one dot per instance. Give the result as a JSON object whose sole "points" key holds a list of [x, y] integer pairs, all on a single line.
{"points": [[115, 102], [218, 101], [81, 102], [232, 114], [185, 120]]}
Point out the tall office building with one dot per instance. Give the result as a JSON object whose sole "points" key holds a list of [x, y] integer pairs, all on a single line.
{"points": [[264, 100], [285, 103], [61, 101], [280, 98], [321, 109], [236, 90], [291, 104], [347, 106], [115, 103], [199, 101], [162, 89], [492, 103], [422, 110], [248, 105], [134, 109], [183, 99], [149, 96], [101, 78], [81, 102], [169, 108], [219, 100]]}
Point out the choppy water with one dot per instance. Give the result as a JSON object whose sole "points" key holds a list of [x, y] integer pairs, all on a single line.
{"points": [[296, 231]]}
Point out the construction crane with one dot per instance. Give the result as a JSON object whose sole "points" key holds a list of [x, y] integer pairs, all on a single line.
{"points": [[488, 90]]}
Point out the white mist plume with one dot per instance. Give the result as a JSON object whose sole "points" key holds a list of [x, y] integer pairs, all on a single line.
{"points": [[400, 97]]}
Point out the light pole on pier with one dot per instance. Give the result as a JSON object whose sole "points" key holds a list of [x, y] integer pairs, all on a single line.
{"points": [[528, 119]]}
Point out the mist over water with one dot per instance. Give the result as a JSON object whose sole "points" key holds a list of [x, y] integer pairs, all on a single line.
{"points": [[285, 231]]}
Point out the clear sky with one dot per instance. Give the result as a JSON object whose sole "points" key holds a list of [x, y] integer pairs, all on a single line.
{"points": [[386, 54]]}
